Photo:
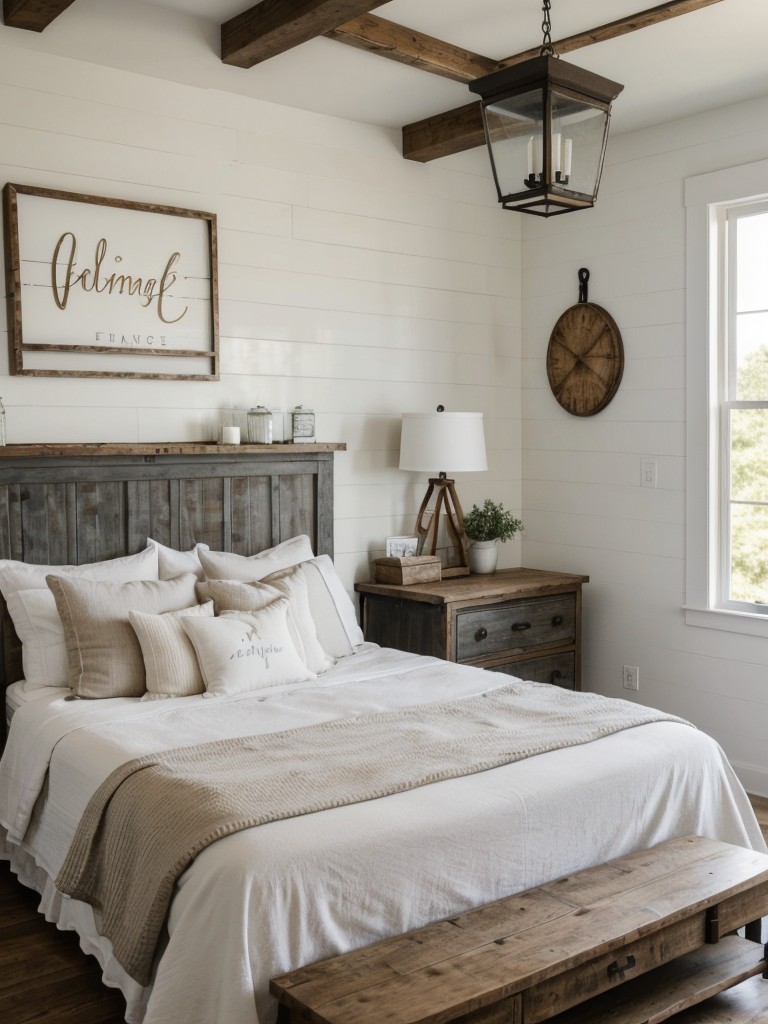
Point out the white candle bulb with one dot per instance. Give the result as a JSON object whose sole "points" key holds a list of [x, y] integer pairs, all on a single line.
{"points": [[567, 156], [556, 140]]}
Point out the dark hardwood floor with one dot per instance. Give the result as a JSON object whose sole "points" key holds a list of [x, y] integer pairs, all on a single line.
{"points": [[46, 979]]}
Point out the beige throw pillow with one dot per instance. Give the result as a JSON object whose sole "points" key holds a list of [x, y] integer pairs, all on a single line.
{"points": [[103, 651], [239, 652], [226, 565], [170, 661]]}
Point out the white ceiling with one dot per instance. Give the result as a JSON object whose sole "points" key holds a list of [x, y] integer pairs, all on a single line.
{"points": [[709, 58]]}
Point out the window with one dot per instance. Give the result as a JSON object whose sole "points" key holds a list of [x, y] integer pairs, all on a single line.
{"points": [[727, 400], [743, 520]]}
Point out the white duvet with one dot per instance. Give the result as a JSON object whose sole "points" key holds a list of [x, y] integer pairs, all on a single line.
{"points": [[265, 900]]}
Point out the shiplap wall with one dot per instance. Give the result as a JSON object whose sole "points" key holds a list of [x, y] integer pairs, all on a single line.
{"points": [[583, 503], [350, 280]]}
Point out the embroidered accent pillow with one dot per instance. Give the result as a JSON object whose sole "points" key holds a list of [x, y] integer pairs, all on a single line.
{"points": [[241, 651]]}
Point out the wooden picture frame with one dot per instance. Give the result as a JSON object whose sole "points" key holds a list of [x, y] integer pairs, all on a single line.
{"points": [[100, 287]]}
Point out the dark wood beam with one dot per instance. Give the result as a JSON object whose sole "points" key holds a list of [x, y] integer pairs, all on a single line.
{"points": [[406, 46], [273, 26], [34, 15], [444, 134], [430, 138]]}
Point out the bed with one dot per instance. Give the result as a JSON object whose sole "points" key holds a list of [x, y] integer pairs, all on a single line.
{"points": [[262, 900]]}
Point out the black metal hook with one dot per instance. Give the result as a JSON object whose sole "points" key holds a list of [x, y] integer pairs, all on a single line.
{"points": [[583, 284]]}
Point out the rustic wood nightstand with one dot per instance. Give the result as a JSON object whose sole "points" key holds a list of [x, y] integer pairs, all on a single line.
{"points": [[526, 622]]}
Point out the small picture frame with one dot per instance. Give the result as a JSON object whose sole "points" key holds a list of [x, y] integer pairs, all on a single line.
{"points": [[402, 547]]}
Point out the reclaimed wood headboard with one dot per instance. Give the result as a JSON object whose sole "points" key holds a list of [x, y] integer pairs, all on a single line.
{"points": [[69, 504]]}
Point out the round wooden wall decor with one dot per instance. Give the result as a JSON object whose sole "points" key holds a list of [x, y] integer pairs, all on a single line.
{"points": [[585, 357]]}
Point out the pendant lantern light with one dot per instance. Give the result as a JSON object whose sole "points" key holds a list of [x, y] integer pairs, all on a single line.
{"points": [[546, 127]]}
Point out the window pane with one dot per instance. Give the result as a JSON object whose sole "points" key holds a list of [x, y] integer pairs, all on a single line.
{"points": [[749, 554], [752, 355], [749, 455], [752, 262]]}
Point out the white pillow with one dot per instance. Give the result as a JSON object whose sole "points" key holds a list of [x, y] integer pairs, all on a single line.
{"points": [[38, 626], [32, 608], [330, 605], [173, 563], [27, 576], [238, 651], [170, 661], [226, 565], [231, 595]]}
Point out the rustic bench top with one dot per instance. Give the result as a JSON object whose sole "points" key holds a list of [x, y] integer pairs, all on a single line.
{"points": [[528, 956]]}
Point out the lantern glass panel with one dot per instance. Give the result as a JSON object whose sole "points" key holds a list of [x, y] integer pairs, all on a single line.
{"points": [[514, 126], [578, 138]]}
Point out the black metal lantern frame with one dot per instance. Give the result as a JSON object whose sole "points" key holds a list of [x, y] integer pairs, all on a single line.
{"points": [[546, 127]]}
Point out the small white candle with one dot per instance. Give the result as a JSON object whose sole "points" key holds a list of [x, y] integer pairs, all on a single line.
{"points": [[230, 435], [567, 156], [530, 156], [556, 142]]}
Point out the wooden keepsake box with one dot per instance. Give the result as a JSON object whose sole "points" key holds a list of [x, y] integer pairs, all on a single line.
{"points": [[410, 569]]}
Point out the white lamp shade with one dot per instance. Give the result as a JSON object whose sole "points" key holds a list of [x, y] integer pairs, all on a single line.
{"points": [[443, 442]]}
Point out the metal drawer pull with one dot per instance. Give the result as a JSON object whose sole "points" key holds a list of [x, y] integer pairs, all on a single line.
{"points": [[518, 627], [617, 968], [481, 634], [557, 620]]}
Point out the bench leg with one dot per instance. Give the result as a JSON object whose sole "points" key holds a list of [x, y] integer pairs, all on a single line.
{"points": [[754, 930]]}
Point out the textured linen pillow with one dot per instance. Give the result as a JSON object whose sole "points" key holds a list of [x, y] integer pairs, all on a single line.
{"points": [[225, 565], [330, 605], [229, 595], [238, 651], [173, 563], [27, 576], [170, 661], [103, 651]]}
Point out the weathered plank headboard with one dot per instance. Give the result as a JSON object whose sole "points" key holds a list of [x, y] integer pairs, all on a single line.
{"points": [[68, 504]]}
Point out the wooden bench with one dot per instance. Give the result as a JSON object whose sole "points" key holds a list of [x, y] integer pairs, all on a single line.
{"points": [[664, 916]]}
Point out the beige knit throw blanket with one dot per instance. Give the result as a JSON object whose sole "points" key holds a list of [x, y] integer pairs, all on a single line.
{"points": [[153, 815]]}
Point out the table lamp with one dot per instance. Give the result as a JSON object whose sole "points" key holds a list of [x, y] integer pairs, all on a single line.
{"points": [[440, 442]]}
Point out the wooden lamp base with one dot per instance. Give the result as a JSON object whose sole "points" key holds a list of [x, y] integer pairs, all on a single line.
{"points": [[427, 526]]}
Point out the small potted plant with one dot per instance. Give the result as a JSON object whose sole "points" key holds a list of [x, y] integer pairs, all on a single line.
{"points": [[485, 526]]}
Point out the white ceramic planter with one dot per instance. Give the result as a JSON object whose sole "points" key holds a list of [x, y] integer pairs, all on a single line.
{"points": [[483, 555]]}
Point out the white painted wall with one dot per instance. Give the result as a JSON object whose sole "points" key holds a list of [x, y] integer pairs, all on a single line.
{"points": [[583, 504], [363, 285], [351, 281]]}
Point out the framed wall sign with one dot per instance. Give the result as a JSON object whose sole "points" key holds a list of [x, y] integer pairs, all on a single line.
{"points": [[109, 288]]}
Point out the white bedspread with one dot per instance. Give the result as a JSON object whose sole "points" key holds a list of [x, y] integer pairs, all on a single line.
{"points": [[265, 900]]}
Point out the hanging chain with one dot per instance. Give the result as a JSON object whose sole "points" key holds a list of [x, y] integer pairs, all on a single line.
{"points": [[547, 49]]}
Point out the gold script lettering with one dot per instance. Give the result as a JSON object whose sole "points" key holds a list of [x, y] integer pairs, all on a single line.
{"points": [[65, 277]]}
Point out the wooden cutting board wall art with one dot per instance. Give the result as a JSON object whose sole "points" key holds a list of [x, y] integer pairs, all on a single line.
{"points": [[585, 357]]}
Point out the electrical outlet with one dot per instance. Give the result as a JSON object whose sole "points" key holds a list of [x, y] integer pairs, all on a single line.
{"points": [[648, 473], [631, 675]]}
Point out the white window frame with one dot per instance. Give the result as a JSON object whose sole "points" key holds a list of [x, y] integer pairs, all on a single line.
{"points": [[706, 198]]}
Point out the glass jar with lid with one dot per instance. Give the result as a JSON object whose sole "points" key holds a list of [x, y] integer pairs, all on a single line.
{"points": [[259, 425], [303, 425]]}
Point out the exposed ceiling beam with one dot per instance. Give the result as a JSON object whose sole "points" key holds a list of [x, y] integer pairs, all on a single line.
{"points": [[430, 138], [444, 134], [274, 26], [34, 15], [406, 46]]}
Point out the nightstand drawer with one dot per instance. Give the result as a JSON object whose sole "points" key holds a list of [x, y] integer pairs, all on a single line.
{"points": [[515, 626], [559, 669]]}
